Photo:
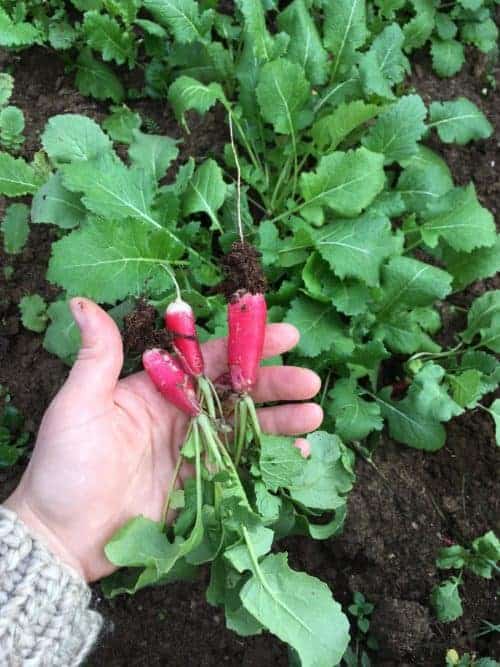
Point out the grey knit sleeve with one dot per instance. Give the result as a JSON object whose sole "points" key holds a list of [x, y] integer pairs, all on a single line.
{"points": [[44, 615]]}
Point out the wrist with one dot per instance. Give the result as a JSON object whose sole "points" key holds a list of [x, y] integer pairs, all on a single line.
{"points": [[40, 530]]}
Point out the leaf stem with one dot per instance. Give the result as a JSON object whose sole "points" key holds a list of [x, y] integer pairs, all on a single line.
{"points": [[166, 505], [238, 182]]}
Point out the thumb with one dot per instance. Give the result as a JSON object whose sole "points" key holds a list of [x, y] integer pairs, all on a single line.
{"points": [[100, 359]]}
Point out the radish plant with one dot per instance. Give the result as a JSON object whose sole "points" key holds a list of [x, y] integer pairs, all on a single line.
{"points": [[364, 240]]}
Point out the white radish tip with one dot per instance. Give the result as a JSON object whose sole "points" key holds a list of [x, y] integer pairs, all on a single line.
{"points": [[179, 306]]}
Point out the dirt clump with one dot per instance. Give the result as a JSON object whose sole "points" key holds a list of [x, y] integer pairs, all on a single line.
{"points": [[140, 332], [401, 627], [243, 271]]}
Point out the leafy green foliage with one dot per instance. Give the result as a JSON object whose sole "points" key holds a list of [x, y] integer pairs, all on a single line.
{"points": [[13, 437], [33, 313], [446, 600], [481, 558], [11, 128], [362, 231], [15, 228]]}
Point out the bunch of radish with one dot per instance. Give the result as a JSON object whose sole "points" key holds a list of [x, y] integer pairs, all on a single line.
{"points": [[180, 377]]}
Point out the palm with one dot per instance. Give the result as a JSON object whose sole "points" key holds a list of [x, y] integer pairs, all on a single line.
{"points": [[107, 453]]}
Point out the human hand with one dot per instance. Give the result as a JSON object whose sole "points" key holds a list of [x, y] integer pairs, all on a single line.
{"points": [[107, 448]]}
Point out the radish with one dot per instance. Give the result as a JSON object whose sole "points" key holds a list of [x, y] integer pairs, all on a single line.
{"points": [[172, 382], [246, 315], [180, 322]]}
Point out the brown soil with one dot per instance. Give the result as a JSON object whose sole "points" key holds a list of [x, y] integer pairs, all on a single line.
{"points": [[402, 509], [140, 332], [243, 271]]}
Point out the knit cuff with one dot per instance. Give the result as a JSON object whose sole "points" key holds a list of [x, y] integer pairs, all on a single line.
{"points": [[44, 615]]}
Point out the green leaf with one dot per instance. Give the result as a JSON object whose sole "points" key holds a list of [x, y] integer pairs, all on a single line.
{"points": [[409, 282], [153, 153], [459, 121], [460, 219], [355, 418], [348, 296], [62, 35], [331, 130], [11, 126], [468, 267], [141, 542], [483, 319], [97, 79], [33, 312], [280, 462], [257, 35], [397, 130], [17, 177], [55, 205], [262, 541], [486, 364], [446, 600], [186, 93], [62, 337], [112, 190], [15, 228], [71, 138], [104, 34], [425, 178], [327, 474], [320, 327], [16, 35], [182, 17], [446, 28], [121, 124], [299, 610], [357, 248], [345, 182], [466, 387], [486, 554], [282, 93], [269, 242], [452, 558], [483, 34], [344, 32], [418, 30], [206, 192], [416, 420], [305, 47], [385, 63], [429, 394], [6, 87], [107, 261], [447, 56], [495, 413]]}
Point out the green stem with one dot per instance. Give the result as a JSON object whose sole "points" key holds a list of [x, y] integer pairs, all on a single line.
{"points": [[210, 438], [206, 393], [241, 414], [171, 489], [253, 418], [436, 355]]}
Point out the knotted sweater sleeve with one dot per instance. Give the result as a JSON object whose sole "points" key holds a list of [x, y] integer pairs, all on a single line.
{"points": [[44, 616]]}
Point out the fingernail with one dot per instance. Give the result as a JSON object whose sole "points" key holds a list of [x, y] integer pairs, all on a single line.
{"points": [[78, 309]]}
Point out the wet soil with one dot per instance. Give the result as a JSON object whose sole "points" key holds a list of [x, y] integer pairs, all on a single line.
{"points": [[404, 507], [140, 330], [243, 271]]}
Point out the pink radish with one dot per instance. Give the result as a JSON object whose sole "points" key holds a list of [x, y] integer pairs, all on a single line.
{"points": [[180, 322], [246, 315], [171, 381]]}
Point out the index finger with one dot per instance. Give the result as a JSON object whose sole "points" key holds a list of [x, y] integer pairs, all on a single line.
{"points": [[280, 338]]}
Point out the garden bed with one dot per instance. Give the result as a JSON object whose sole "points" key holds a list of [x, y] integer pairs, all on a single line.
{"points": [[403, 509]]}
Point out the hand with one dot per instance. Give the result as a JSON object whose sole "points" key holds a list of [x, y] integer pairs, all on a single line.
{"points": [[107, 448]]}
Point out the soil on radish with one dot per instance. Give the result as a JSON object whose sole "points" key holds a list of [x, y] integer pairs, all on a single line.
{"points": [[400, 513], [243, 271], [140, 332]]}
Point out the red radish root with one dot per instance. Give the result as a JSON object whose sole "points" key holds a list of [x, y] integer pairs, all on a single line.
{"points": [[172, 382], [247, 324], [180, 322]]}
